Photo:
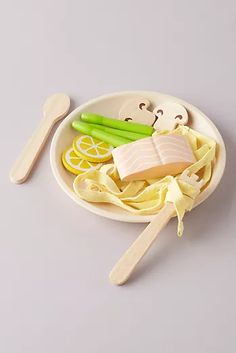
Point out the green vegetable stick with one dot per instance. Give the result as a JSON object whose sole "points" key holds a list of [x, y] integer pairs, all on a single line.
{"points": [[117, 124], [127, 134], [99, 134]]}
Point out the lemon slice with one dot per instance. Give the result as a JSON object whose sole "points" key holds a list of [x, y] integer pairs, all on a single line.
{"points": [[75, 164], [92, 149]]}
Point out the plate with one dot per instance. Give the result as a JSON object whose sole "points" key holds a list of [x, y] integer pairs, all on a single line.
{"points": [[109, 105]]}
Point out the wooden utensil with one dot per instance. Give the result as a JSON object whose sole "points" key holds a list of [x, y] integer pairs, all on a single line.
{"points": [[127, 263], [55, 108]]}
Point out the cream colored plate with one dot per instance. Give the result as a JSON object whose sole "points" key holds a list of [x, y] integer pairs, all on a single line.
{"points": [[109, 105]]}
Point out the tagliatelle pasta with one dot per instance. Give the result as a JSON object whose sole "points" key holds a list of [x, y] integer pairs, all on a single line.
{"points": [[149, 196]]}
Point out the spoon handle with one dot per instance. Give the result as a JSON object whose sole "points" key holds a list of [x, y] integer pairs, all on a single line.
{"points": [[127, 263], [30, 153]]}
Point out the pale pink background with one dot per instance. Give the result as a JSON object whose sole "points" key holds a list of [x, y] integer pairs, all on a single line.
{"points": [[55, 256]]}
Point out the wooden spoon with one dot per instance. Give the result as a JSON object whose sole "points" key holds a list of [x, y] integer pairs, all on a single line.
{"points": [[127, 263], [55, 108]]}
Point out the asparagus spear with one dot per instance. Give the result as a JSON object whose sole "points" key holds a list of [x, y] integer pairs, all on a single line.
{"points": [[99, 134], [117, 124], [126, 134]]}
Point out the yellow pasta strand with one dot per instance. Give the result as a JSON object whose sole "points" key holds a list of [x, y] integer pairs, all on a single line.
{"points": [[149, 196]]}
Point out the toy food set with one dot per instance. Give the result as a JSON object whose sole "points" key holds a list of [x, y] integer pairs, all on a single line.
{"points": [[146, 160]]}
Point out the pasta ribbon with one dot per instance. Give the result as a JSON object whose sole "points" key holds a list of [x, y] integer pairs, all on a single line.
{"points": [[147, 197]]}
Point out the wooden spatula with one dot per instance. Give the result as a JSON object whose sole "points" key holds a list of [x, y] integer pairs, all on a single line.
{"points": [[54, 109], [127, 263]]}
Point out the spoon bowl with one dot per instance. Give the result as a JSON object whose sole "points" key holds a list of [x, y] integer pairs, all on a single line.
{"points": [[54, 109]]}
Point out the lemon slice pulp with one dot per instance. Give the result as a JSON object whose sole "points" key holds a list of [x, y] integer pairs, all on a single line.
{"points": [[75, 164], [92, 149]]}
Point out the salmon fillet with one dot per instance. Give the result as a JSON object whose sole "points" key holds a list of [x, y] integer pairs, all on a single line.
{"points": [[153, 157]]}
